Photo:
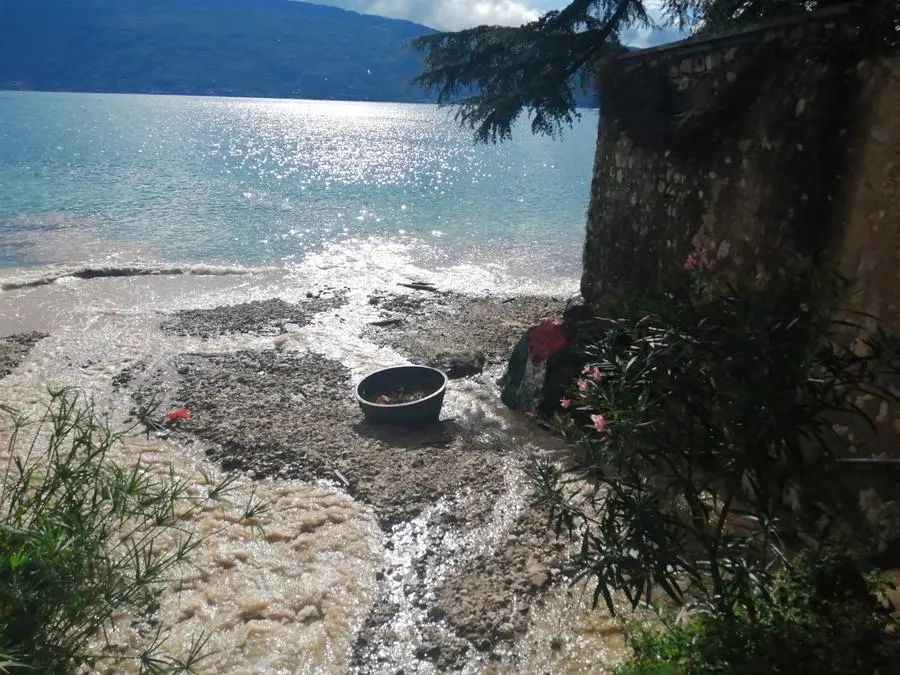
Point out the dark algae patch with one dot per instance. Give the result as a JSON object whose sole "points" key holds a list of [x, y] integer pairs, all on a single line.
{"points": [[15, 348]]}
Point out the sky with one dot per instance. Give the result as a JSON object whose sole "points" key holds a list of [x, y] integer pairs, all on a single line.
{"points": [[459, 14]]}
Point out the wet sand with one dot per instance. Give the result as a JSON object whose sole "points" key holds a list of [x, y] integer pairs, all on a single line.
{"points": [[469, 573]]}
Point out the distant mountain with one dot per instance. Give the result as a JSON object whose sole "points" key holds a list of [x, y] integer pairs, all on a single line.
{"points": [[266, 48]]}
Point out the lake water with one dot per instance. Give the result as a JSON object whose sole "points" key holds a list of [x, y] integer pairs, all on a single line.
{"points": [[126, 178], [233, 200]]}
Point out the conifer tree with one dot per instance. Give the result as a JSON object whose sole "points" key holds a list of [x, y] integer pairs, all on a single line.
{"points": [[493, 74]]}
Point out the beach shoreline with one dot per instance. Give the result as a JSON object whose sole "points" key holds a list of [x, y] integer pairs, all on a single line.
{"points": [[468, 567]]}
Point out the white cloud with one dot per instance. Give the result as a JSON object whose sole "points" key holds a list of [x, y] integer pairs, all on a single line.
{"points": [[446, 14], [649, 37], [459, 14], [658, 34]]}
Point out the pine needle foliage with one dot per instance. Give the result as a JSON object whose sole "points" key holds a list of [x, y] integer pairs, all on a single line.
{"points": [[494, 74]]}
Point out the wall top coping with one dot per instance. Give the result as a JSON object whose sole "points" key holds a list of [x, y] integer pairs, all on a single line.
{"points": [[737, 36]]}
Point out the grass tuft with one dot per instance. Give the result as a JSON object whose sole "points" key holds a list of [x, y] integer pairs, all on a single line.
{"points": [[82, 538]]}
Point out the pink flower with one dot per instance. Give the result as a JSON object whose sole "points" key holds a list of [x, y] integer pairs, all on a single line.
{"points": [[565, 402], [696, 260], [599, 422], [583, 385], [571, 423], [594, 372]]}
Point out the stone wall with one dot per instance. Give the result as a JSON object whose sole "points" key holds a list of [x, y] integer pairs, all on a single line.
{"points": [[759, 147], [772, 146]]}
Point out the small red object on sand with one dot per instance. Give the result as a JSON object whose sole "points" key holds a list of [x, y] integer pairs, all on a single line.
{"points": [[177, 414]]}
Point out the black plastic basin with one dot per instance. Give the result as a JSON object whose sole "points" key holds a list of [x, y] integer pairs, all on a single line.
{"points": [[387, 381]]}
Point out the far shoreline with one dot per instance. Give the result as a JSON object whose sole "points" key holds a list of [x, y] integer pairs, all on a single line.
{"points": [[107, 92]]}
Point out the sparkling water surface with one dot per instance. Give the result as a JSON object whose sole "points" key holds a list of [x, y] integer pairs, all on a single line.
{"points": [[87, 177]]}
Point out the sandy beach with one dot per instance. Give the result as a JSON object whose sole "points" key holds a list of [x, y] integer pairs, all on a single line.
{"points": [[456, 572]]}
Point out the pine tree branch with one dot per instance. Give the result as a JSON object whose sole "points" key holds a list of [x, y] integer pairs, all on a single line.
{"points": [[494, 74]]}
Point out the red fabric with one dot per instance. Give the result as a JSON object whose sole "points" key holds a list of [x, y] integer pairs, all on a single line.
{"points": [[546, 339], [177, 414]]}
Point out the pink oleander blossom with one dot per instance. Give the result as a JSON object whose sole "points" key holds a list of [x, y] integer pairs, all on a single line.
{"points": [[599, 422], [696, 260], [583, 385], [565, 402], [593, 372], [571, 423]]}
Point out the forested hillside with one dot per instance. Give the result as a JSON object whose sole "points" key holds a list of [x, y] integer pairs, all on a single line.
{"points": [[271, 48]]}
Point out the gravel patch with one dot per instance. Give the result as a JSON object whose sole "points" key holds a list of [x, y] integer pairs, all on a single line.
{"points": [[429, 328], [266, 317], [465, 555]]}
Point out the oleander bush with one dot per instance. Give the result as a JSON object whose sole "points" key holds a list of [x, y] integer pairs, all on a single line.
{"points": [[824, 616], [705, 438]]}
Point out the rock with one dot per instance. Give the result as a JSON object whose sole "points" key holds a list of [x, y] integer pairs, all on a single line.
{"points": [[428, 651], [506, 631], [308, 614], [421, 286], [385, 323], [538, 578], [459, 364]]}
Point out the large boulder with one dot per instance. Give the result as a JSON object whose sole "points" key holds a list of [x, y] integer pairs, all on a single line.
{"points": [[459, 364]]}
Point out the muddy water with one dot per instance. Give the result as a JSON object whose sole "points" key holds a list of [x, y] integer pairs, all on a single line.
{"points": [[295, 599], [288, 601]]}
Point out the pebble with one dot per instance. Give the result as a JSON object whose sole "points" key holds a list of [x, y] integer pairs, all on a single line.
{"points": [[538, 579], [308, 614], [505, 631], [436, 613]]}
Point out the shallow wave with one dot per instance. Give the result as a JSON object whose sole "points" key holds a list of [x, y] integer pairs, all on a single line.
{"points": [[49, 276], [376, 262]]}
